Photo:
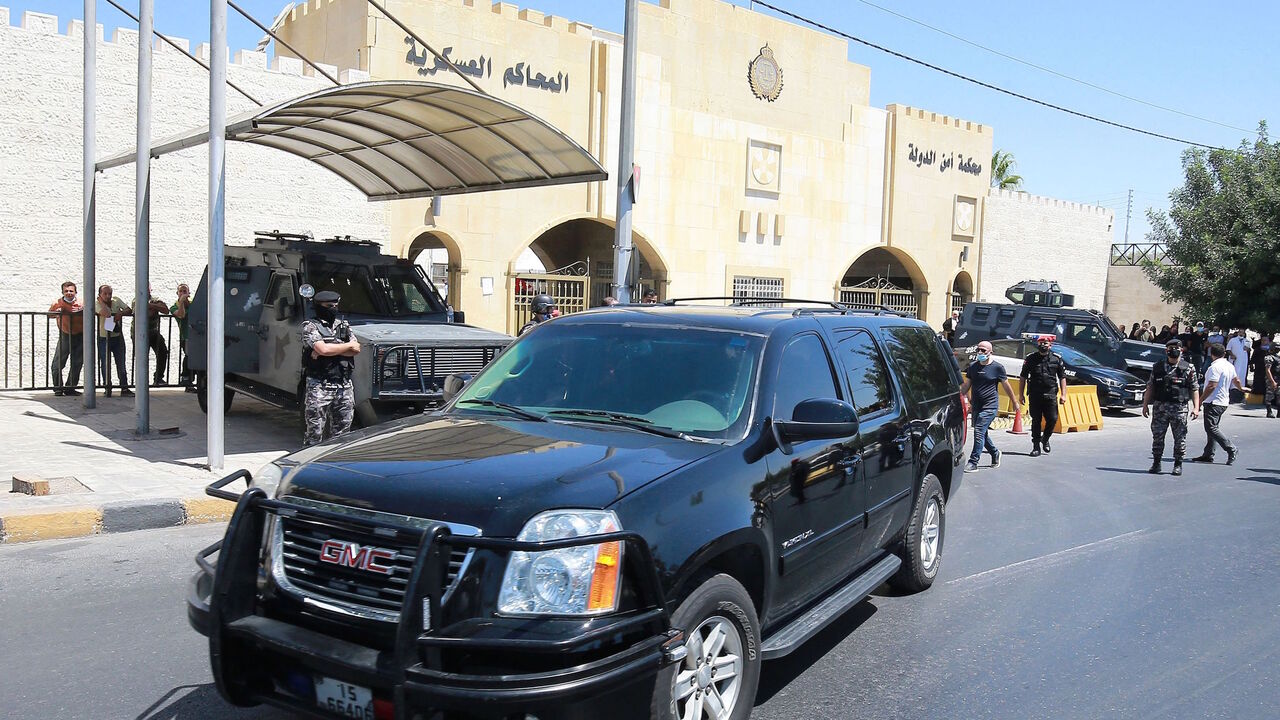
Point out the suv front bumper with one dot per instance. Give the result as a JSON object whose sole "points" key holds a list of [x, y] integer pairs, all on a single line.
{"points": [[260, 659]]}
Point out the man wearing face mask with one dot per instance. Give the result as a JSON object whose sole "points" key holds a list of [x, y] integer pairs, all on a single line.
{"points": [[986, 378], [1044, 380], [328, 352], [1172, 385]]}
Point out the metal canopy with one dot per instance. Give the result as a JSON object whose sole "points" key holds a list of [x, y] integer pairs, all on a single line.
{"points": [[405, 139]]}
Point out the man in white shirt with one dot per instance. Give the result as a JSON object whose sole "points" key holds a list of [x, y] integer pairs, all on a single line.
{"points": [[1218, 381]]}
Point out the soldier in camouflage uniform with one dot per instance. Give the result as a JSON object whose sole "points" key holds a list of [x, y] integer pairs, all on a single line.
{"points": [[328, 349], [1173, 383]]}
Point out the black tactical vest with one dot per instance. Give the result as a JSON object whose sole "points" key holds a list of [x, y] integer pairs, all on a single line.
{"points": [[333, 368], [1043, 372], [1173, 384]]}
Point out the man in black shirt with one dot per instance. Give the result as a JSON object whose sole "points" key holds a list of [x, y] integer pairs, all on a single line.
{"points": [[1173, 383], [985, 378], [1044, 380]]}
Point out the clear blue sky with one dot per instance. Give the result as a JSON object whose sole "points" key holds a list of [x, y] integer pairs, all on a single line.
{"points": [[1214, 60]]}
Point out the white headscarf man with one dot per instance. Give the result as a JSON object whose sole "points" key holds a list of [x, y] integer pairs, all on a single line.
{"points": [[1240, 345]]}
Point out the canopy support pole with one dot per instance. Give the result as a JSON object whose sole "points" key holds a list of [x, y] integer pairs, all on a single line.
{"points": [[89, 290], [142, 220], [623, 249], [215, 334]]}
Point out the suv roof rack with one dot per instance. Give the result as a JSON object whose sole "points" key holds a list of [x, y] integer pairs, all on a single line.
{"points": [[827, 306]]}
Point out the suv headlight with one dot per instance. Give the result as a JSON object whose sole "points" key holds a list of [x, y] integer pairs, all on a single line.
{"points": [[1111, 383], [268, 478], [582, 580]]}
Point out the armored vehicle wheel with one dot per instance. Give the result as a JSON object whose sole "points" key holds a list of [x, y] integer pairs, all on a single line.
{"points": [[717, 680], [202, 396], [921, 547]]}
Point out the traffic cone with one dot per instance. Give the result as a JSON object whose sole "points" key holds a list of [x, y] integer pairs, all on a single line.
{"points": [[1017, 425]]}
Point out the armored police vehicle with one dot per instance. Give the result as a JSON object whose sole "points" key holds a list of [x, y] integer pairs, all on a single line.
{"points": [[1040, 307], [411, 340]]}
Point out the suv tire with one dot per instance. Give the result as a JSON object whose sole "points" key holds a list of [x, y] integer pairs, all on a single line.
{"points": [[720, 611], [921, 547]]}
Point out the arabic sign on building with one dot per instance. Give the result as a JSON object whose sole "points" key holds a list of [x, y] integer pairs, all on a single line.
{"points": [[520, 73], [921, 157]]}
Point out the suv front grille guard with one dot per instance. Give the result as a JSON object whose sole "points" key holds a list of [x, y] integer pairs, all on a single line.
{"points": [[406, 372], [417, 638]]}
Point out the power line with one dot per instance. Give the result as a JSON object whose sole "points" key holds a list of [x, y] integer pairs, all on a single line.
{"points": [[1051, 71], [980, 83]]}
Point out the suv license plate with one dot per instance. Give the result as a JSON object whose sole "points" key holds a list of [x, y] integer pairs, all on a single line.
{"points": [[344, 699]]}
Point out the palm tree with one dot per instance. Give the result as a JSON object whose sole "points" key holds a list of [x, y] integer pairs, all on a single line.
{"points": [[1002, 164]]}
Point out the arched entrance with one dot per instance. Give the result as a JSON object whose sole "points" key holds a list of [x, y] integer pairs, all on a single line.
{"points": [[884, 277], [961, 292], [437, 254], [572, 262]]}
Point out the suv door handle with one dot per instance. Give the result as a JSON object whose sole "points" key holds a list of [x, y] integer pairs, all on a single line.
{"points": [[851, 462]]}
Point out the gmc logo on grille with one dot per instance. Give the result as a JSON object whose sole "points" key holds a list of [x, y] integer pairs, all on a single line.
{"points": [[347, 554]]}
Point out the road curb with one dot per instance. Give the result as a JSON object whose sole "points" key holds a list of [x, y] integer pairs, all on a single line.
{"points": [[124, 516]]}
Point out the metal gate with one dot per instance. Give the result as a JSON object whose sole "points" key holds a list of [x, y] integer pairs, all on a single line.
{"points": [[877, 292], [569, 286]]}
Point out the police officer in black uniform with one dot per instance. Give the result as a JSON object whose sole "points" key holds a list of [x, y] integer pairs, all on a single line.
{"points": [[1173, 383], [542, 306], [328, 357], [1044, 380]]}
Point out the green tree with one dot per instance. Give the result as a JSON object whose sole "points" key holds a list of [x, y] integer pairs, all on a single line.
{"points": [[1222, 236], [1002, 164]]}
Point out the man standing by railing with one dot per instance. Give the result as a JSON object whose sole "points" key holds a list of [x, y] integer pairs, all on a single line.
{"points": [[111, 311], [155, 339], [70, 322]]}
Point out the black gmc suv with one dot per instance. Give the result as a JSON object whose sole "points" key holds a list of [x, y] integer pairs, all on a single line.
{"points": [[621, 516]]}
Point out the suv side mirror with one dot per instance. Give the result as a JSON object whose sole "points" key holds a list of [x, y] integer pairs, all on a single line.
{"points": [[818, 419], [453, 384]]}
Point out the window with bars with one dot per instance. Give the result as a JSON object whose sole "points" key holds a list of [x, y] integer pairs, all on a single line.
{"points": [[757, 287]]}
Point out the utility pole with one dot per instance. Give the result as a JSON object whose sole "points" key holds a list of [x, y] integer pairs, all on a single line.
{"points": [[142, 218], [214, 327], [1128, 211], [622, 248]]}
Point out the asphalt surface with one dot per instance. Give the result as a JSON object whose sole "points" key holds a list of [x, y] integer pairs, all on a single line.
{"points": [[1074, 585]]}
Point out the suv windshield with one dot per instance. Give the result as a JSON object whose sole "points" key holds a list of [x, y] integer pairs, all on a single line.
{"points": [[379, 290], [693, 381]]}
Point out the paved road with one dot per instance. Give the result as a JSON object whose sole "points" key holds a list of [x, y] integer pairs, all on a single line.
{"points": [[1073, 586]]}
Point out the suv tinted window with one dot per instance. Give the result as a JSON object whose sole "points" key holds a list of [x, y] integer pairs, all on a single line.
{"points": [[868, 376], [922, 371], [804, 373]]}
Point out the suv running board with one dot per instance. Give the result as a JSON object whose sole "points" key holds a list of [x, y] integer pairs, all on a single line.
{"points": [[806, 626]]}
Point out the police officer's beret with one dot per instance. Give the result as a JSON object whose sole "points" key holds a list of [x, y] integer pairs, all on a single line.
{"points": [[326, 296], [1174, 343]]}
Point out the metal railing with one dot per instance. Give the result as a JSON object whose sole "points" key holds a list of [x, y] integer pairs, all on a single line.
{"points": [[1138, 254], [30, 341]]}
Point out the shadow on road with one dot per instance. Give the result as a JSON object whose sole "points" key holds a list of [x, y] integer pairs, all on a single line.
{"points": [[202, 701], [1135, 471], [783, 671], [1272, 479]]}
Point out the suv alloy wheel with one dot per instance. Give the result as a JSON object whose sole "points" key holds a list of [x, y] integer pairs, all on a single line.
{"points": [[718, 678], [921, 548]]}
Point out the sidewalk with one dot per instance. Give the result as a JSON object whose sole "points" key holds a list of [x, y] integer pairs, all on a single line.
{"points": [[104, 479]]}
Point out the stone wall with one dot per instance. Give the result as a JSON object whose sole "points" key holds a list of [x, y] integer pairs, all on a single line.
{"points": [[1029, 237], [1132, 297], [41, 96]]}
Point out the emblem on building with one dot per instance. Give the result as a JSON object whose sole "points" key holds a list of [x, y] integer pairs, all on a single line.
{"points": [[764, 76], [764, 164], [966, 209]]}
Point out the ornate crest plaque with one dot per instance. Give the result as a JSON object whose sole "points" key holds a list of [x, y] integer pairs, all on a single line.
{"points": [[764, 76]]}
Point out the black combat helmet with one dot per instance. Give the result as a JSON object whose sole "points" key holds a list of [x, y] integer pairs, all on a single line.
{"points": [[541, 304]]}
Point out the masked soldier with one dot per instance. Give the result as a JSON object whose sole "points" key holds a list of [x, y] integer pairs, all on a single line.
{"points": [[1173, 383], [543, 309], [328, 356], [1044, 380]]}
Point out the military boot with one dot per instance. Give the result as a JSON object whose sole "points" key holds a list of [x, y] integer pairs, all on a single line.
{"points": [[1177, 466], [1155, 468]]}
